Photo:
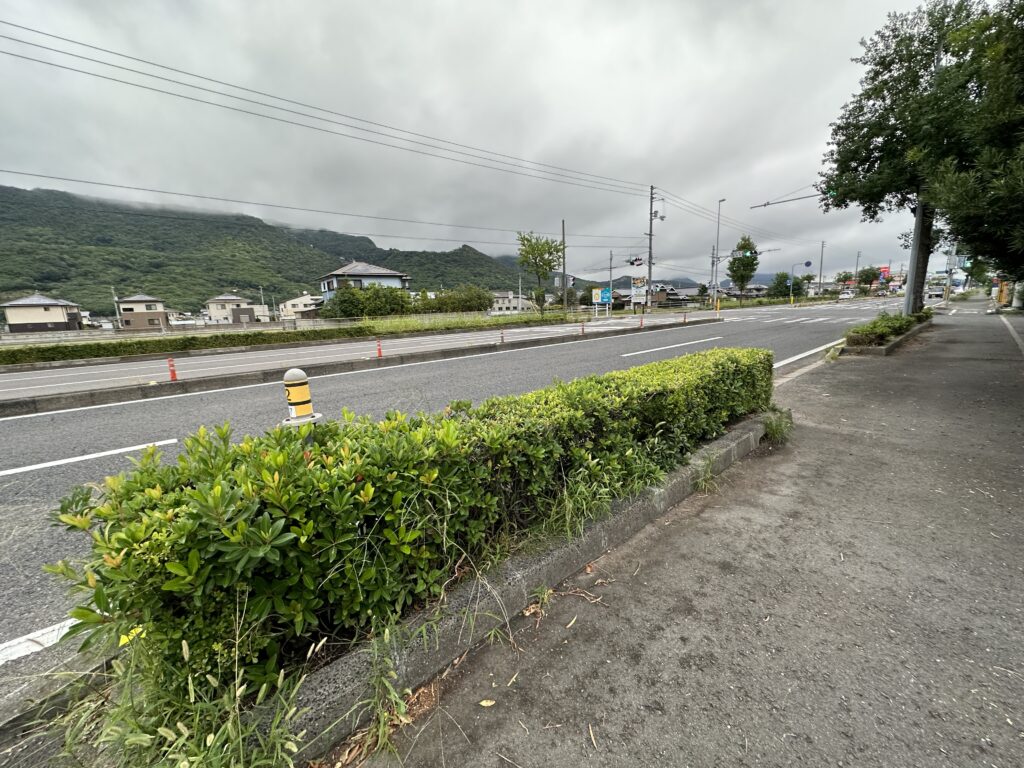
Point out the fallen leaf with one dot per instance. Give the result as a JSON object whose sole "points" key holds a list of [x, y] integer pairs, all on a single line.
{"points": [[592, 739], [588, 568], [512, 680], [569, 625], [487, 703]]}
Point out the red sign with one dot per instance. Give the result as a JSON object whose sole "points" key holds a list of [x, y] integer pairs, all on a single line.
{"points": [[884, 271]]}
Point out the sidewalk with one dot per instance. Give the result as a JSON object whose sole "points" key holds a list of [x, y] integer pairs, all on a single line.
{"points": [[852, 599]]}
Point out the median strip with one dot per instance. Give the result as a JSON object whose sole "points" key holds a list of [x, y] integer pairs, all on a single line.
{"points": [[87, 457]]}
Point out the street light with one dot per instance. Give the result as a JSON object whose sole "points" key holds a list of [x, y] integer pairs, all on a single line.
{"points": [[792, 278], [715, 257]]}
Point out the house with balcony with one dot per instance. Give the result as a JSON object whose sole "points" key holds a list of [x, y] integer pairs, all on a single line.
{"points": [[359, 275], [510, 302], [38, 314], [229, 308], [142, 312], [302, 307]]}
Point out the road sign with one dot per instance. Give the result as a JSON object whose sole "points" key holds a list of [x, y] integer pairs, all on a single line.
{"points": [[595, 296], [606, 295]]}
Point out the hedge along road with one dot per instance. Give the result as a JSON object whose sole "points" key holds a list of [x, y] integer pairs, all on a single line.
{"points": [[35, 602]]}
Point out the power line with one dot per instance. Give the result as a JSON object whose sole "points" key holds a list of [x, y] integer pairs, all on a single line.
{"points": [[302, 104], [213, 220], [296, 112], [320, 129], [710, 215], [279, 206]]}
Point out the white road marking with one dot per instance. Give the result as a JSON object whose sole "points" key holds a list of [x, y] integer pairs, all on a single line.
{"points": [[797, 320], [87, 457], [775, 320], [1013, 332], [816, 320], [670, 346], [808, 353], [953, 312], [34, 641]]}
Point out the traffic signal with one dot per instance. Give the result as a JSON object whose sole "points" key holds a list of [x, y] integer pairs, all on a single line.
{"points": [[572, 281], [750, 253]]}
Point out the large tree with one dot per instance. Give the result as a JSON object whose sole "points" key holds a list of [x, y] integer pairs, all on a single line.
{"points": [[902, 126], [981, 193], [743, 265], [539, 256]]}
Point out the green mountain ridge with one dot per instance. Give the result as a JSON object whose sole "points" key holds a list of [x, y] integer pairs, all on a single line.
{"points": [[79, 248]]}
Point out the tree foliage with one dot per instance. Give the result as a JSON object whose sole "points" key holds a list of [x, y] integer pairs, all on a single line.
{"points": [[891, 138], [868, 275], [539, 256], [742, 267], [779, 286], [372, 301]]}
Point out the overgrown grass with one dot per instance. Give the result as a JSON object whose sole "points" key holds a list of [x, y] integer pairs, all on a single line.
{"points": [[884, 327], [778, 426]]}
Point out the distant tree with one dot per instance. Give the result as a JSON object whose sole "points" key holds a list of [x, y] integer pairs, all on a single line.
{"points": [[779, 286], [586, 298], [346, 302], [868, 276], [808, 278], [702, 290], [379, 301], [539, 256], [844, 277], [742, 267], [570, 296]]}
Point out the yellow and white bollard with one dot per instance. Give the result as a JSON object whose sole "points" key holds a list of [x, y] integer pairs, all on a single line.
{"points": [[300, 402]]}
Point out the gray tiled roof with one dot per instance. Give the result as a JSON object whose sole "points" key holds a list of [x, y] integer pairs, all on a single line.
{"points": [[362, 269], [38, 300], [227, 297], [140, 297]]}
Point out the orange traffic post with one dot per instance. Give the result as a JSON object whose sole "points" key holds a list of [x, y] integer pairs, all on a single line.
{"points": [[502, 335], [300, 401], [581, 329], [171, 369], [380, 352], [641, 321]]}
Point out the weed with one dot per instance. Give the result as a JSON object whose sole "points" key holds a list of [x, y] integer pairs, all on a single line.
{"points": [[704, 481], [833, 354], [778, 426]]}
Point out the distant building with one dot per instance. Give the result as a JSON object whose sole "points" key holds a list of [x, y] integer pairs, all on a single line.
{"points": [[509, 302], [143, 313], [38, 313], [302, 307], [359, 274], [229, 308]]}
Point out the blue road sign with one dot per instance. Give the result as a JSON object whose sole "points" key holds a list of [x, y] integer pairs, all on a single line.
{"points": [[606, 295]]}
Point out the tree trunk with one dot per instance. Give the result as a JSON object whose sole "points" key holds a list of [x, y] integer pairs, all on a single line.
{"points": [[924, 251]]}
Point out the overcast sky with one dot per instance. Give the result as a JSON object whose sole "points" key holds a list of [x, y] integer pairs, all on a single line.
{"points": [[703, 99]]}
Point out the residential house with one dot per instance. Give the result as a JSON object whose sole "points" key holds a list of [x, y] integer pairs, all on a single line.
{"points": [[301, 307], [229, 308], [142, 313], [38, 313], [359, 274], [509, 302]]}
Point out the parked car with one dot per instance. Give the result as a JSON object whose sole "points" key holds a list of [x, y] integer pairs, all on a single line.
{"points": [[883, 292], [847, 295], [935, 291]]}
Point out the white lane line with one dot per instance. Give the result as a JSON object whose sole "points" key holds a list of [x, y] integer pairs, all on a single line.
{"points": [[797, 320], [1013, 332], [808, 353], [33, 641], [678, 327], [87, 457], [670, 346], [775, 320], [816, 320], [953, 312]]}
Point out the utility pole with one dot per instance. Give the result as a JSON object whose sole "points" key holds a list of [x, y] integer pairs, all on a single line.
{"points": [[909, 284], [821, 266], [650, 255], [117, 307], [856, 279], [565, 286], [519, 296], [715, 258], [609, 309]]}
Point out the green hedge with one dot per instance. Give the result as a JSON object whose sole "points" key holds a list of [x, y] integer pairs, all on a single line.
{"points": [[884, 327], [324, 530], [172, 344]]}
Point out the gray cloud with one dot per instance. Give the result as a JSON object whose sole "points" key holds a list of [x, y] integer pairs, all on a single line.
{"points": [[705, 100]]}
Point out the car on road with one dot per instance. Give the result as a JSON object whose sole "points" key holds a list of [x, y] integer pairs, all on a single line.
{"points": [[847, 295], [935, 291]]}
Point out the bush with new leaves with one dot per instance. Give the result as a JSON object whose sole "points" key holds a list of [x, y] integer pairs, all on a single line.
{"points": [[320, 531]]}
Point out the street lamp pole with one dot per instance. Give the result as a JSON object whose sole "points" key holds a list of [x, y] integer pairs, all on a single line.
{"points": [[715, 258], [856, 269]]}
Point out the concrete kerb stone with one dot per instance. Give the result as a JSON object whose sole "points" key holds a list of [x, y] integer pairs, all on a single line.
{"points": [[890, 347], [424, 646], [47, 403]]}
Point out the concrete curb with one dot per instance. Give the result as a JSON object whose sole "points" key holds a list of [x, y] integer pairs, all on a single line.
{"points": [[433, 642], [47, 403], [886, 349]]}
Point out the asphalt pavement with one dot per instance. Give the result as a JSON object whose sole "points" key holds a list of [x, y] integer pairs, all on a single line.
{"points": [[850, 599]]}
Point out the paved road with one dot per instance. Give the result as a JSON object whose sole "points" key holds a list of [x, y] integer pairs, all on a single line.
{"points": [[27, 541]]}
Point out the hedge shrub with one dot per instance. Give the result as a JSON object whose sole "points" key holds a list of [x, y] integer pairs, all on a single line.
{"points": [[882, 328], [320, 531]]}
